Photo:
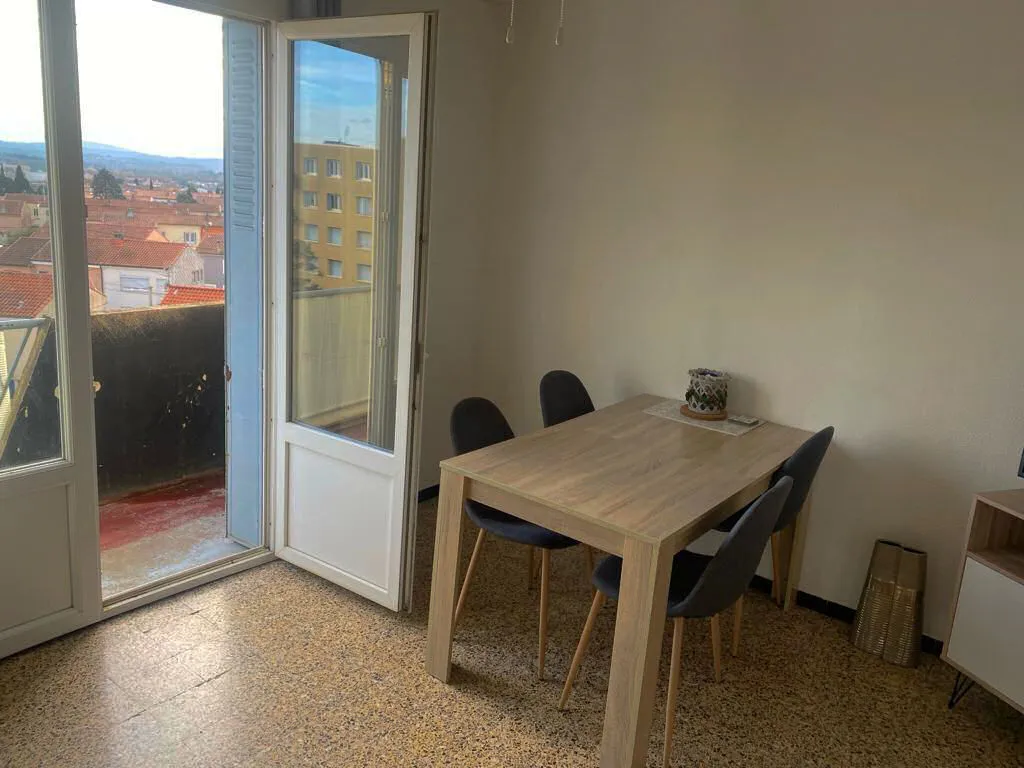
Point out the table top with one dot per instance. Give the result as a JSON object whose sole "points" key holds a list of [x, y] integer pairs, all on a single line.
{"points": [[641, 475]]}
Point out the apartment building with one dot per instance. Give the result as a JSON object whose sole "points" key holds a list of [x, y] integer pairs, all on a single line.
{"points": [[335, 208]]}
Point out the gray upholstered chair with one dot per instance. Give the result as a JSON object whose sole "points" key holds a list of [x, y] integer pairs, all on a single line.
{"points": [[802, 467], [701, 586], [477, 423], [563, 397]]}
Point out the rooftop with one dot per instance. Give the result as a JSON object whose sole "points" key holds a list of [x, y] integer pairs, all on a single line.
{"points": [[24, 294], [23, 251], [178, 295]]}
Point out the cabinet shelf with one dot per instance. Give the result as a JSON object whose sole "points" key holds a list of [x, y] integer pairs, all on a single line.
{"points": [[1009, 562]]}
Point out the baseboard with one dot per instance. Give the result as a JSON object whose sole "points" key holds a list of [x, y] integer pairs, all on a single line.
{"points": [[837, 611], [428, 493]]}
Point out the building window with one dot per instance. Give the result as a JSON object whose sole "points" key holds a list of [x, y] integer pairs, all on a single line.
{"points": [[334, 168], [189, 237], [197, 276], [364, 206], [309, 199], [334, 235], [131, 284], [333, 201], [364, 240], [334, 267], [161, 285], [313, 233], [363, 273], [362, 171], [309, 166]]}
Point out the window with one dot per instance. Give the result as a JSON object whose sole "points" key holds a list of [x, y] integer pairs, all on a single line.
{"points": [[197, 276], [190, 237], [309, 200], [364, 206], [362, 171], [334, 235], [334, 267], [333, 201], [161, 285], [133, 283], [364, 240], [363, 273], [309, 166], [313, 233], [334, 168]]}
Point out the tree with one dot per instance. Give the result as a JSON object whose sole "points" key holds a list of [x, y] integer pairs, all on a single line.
{"points": [[20, 183], [306, 267], [219, 190], [150, 185], [5, 183], [106, 186], [186, 196]]}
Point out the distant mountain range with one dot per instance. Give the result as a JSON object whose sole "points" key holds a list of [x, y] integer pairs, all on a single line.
{"points": [[123, 162]]}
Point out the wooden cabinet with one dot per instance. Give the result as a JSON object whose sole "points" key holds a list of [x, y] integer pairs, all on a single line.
{"points": [[986, 631]]}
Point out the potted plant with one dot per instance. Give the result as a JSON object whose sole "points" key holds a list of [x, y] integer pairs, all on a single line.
{"points": [[707, 394]]}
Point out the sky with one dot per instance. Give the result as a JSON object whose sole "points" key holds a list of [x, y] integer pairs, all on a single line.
{"points": [[150, 76], [151, 80]]}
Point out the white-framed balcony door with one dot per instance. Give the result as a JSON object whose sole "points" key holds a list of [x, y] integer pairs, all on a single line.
{"points": [[348, 121], [49, 522]]}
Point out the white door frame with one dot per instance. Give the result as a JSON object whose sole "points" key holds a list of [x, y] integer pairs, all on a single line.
{"points": [[285, 432], [76, 472]]}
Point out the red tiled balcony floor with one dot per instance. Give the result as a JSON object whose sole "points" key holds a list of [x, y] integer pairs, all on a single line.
{"points": [[152, 534]]}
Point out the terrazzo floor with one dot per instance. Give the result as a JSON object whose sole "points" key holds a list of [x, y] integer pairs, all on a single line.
{"points": [[276, 667]]}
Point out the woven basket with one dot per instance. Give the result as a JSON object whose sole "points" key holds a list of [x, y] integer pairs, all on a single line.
{"points": [[890, 612]]}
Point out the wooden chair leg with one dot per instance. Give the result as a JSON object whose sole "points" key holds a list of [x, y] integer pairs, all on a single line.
{"points": [[581, 648], [545, 577], [737, 620], [469, 574], [673, 688], [776, 568], [716, 646]]}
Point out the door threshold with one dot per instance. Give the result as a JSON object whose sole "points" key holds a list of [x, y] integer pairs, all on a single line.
{"points": [[184, 581]]}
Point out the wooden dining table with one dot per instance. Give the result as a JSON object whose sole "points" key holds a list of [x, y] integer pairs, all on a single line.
{"points": [[629, 483]]}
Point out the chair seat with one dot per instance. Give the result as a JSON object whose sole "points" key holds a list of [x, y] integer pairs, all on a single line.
{"points": [[687, 568], [516, 529]]}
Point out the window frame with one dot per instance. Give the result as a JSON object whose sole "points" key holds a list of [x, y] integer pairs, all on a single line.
{"points": [[341, 236], [305, 233], [337, 195], [341, 268], [359, 245]]}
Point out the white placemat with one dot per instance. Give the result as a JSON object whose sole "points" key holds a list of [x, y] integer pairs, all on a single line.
{"points": [[669, 409]]}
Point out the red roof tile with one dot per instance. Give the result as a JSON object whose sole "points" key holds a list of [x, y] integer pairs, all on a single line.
{"points": [[113, 252], [23, 251], [24, 294], [212, 244], [192, 294]]}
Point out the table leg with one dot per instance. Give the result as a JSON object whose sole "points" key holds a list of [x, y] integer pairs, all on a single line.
{"points": [[639, 629], [796, 554], [444, 581]]}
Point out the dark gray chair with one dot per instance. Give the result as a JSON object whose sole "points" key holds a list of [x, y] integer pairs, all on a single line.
{"points": [[563, 397], [802, 467], [477, 423], [701, 586]]}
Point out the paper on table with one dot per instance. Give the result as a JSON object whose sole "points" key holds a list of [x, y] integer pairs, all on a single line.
{"points": [[669, 409]]}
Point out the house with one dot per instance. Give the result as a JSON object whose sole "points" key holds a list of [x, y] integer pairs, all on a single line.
{"points": [[36, 208], [133, 273], [15, 219], [21, 253], [211, 249]]}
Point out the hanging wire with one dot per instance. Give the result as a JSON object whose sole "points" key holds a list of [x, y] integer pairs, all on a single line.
{"points": [[510, 33], [561, 24]]}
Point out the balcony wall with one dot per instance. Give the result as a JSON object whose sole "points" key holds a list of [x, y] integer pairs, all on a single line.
{"points": [[159, 404]]}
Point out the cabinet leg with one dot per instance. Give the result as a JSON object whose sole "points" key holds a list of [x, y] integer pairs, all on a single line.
{"points": [[961, 686]]}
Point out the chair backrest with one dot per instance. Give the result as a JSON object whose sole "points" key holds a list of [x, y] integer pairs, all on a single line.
{"points": [[802, 466], [563, 397], [476, 423], [732, 568]]}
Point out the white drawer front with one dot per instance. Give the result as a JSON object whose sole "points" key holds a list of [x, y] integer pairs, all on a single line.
{"points": [[988, 630]]}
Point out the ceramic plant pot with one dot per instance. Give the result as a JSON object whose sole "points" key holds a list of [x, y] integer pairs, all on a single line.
{"points": [[708, 391]]}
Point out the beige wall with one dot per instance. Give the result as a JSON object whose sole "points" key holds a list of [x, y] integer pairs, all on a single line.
{"points": [[460, 186], [821, 197]]}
